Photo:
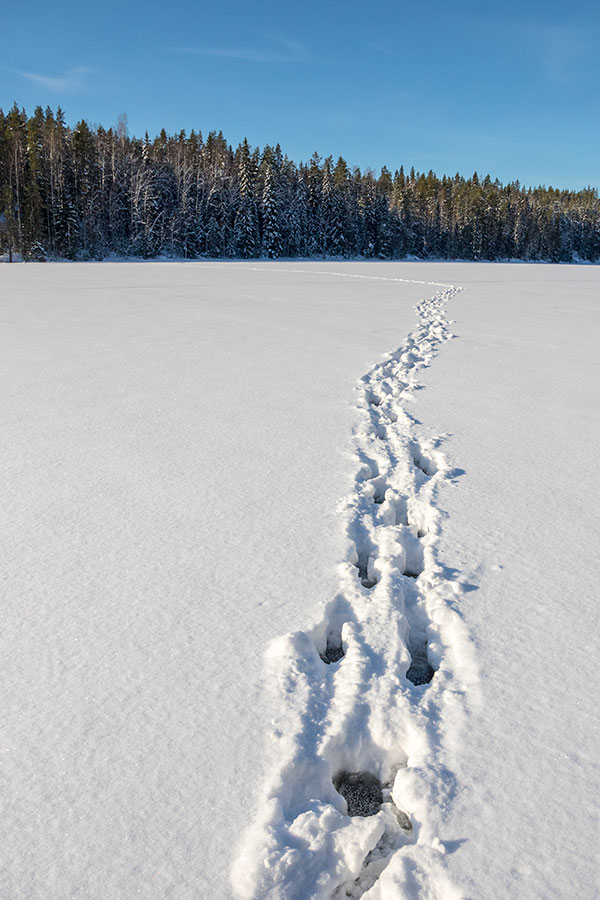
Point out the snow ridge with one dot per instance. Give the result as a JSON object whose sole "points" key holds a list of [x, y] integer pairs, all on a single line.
{"points": [[367, 702]]}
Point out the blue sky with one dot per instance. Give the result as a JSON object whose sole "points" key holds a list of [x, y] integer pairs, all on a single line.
{"points": [[511, 89]]}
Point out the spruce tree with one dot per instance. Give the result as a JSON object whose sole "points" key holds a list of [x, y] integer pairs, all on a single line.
{"points": [[246, 228], [270, 207]]}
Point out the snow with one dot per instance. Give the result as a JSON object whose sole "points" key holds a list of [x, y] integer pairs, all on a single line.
{"points": [[213, 482]]}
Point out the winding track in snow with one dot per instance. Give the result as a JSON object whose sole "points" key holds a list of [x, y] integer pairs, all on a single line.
{"points": [[361, 695]]}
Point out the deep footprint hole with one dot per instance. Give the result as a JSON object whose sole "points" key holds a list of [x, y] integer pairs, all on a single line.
{"points": [[333, 652], [420, 670], [379, 489], [363, 571], [361, 791]]}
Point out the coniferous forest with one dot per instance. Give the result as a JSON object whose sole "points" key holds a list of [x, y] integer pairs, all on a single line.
{"points": [[88, 193]]}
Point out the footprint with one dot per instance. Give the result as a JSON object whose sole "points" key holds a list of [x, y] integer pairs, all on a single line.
{"points": [[366, 570], [420, 670], [366, 796], [415, 557], [424, 463], [334, 650], [380, 486], [361, 790]]}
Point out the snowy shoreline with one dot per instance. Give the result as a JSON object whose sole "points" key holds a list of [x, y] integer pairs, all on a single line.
{"points": [[425, 260]]}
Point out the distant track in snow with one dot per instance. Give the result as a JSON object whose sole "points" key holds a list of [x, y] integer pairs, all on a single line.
{"points": [[329, 273], [357, 770]]}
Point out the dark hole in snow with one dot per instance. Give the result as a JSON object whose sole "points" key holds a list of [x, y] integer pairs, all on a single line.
{"points": [[410, 574], [403, 820], [333, 653], [379, 490], [363, 571], [361, 791], [420, 670]]}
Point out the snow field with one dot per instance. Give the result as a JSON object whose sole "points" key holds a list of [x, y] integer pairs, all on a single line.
{"points": [[188, 476]]}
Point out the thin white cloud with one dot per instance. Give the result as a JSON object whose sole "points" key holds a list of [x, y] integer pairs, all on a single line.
{"points": [[559, 49], [386, 50], [70, 81], [287, 51]]}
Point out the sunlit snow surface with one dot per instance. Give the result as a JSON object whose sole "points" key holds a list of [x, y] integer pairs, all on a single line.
{"points": [[187, 457]]}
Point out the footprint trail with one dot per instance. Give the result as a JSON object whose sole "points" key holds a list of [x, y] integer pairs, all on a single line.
{"points": [[358, 782]]}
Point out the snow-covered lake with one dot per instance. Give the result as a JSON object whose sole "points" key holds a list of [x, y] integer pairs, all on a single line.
{"points": [[202, 462]]}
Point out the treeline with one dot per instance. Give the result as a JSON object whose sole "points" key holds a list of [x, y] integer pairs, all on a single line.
{"points": [[87, 193]]}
